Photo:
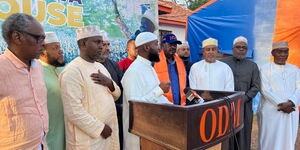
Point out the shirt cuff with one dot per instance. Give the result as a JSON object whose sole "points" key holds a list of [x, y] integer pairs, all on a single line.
{"points": [[293, 99], [158, 91], [98, 131]]}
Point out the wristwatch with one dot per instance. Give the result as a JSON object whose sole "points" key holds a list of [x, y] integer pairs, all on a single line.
{"points": [[292, 103]]}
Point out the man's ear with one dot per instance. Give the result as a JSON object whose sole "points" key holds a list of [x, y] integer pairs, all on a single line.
{"points": [[16, 37], [82, 43], [272, 52], [44, 53], [146, 47]]}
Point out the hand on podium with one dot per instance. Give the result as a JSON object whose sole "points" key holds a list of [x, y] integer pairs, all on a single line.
{"points": [[192, 97]]}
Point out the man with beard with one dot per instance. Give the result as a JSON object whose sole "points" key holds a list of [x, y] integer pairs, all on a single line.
{"points": [[140, 83], [171, 69], [116, 75], [148, 23], [132, 53], [211, 74], [23, 108], [52, 61], [246, 78], [88, 95], [278, 113], [183, 51]]}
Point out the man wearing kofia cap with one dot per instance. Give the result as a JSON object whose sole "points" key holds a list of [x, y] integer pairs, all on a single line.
{"points": [[52, 60], [246, 78], [88, 95], [278, 114], [211, 74], [140, 83]]}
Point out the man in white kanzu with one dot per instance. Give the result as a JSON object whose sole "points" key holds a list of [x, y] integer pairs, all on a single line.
{"points": [[278, 114], [88, 95], [211, 74], [140, 83]]}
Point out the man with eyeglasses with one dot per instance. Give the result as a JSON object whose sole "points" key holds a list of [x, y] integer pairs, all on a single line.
{"points": [[246, 78], [278, 113], [52, 60], [23, 105], [211, 74]]}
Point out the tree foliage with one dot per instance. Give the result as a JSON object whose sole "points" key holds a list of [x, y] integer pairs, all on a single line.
{"points": [[194, 4], [191, 4]]}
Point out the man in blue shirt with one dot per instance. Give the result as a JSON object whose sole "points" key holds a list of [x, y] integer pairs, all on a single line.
{"points": [[172, 69]]}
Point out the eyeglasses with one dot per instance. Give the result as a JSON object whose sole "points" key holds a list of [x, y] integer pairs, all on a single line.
{"points": [[210, 49], [241, 47], [106, 44], [38, 38]]}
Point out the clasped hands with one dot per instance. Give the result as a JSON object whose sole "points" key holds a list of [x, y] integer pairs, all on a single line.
{"points": [[286, 107]]}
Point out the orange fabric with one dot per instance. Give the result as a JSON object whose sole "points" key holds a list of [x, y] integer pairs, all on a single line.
{"points": [[287, 27], [162, 71]]}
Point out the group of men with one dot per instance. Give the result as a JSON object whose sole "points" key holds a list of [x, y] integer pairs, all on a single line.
{"points": [[87, 101]]}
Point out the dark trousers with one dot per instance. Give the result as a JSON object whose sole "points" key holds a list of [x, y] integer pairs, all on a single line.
{"points": [[242, 139], [120, 124]]}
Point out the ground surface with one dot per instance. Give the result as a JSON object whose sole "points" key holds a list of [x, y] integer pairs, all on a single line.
{"points": [[255, 136]]}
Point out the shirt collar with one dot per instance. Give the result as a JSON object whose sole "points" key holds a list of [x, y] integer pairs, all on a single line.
{"points": [[16, 61], [46, 64], [143, 60], [172, 62], [85, 62], [238, 60]]}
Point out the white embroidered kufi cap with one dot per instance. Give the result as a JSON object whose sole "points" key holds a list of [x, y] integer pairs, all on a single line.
{"points": [[51, 38], [88, 31], [184, 43], [145, 37], [209, 41], [240, 39], [281, 44]]}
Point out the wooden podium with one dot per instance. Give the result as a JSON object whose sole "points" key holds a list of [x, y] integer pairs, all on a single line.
{"points": [[199, 126]]}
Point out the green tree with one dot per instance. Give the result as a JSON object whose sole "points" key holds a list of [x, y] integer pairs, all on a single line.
{"points": [[194, 4]]}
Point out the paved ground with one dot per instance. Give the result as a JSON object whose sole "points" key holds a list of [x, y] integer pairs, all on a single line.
{"points": [[255, 136]]}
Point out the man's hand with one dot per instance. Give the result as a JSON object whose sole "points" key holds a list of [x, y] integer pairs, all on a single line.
{"points": [[106, 132], [101, 79], [286, 107], [165, 86]]}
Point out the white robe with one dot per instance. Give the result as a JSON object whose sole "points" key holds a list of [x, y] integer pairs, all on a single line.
{"points": [[216, 76], [140, 83], [88, 107], [278, 130]]}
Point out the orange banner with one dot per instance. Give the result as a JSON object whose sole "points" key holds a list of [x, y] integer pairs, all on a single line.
{"points": [[287, 27]]}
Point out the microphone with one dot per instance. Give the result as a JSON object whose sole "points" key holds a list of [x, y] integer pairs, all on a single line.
{"points": [[192, 97]]}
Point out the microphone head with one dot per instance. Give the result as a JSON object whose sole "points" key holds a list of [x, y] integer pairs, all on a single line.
{"points": [[189, 95], [186, 90]]}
